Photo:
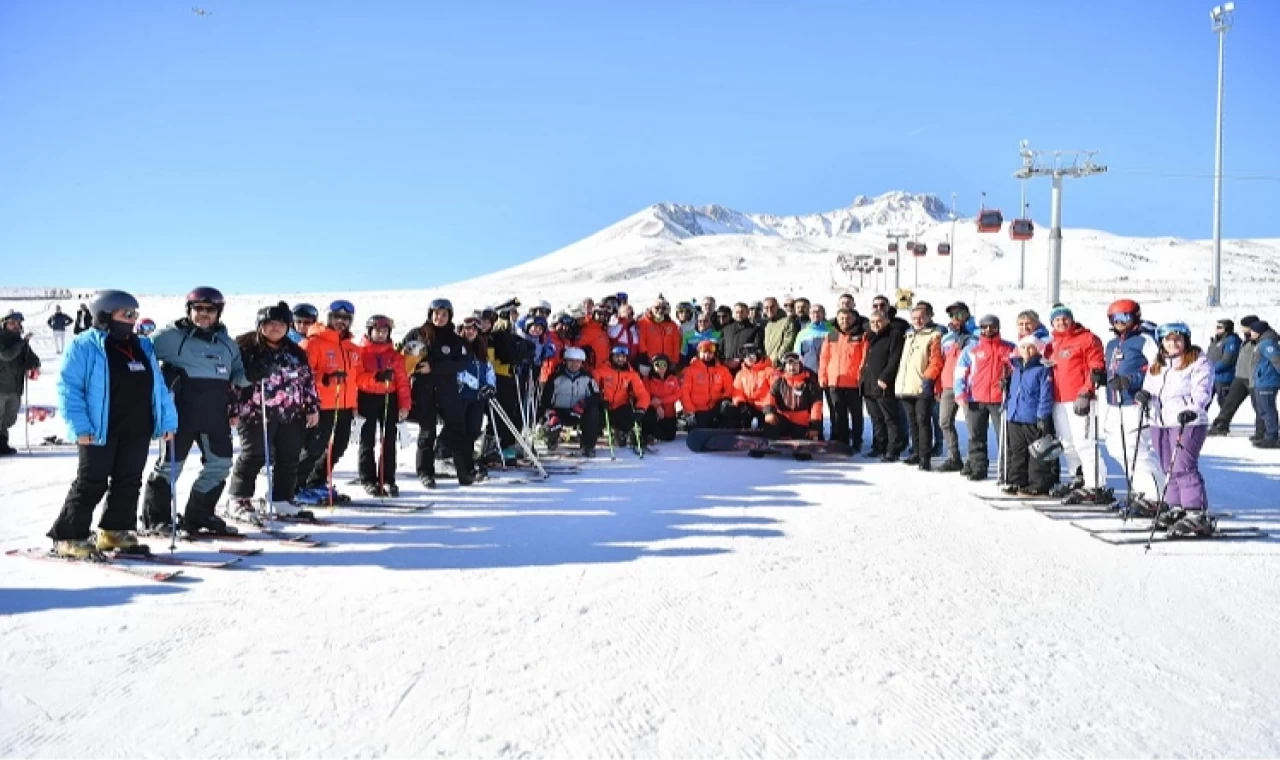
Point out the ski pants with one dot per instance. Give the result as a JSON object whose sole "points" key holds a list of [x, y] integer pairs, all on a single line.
{"points": [[1134, 447], [59, 340], [1021, 470], [215, 457], [285, 440], [9, 404], [509, 400], [920, 411], [740, 417], [1264, 406], [1185, 487], [978, 417], [454, 435], [590, 423], [663, 429], [714, 417], [1230, 404], [785, 428], [845, 405], [379, 410], [621, 421], [888, 433], [114, 469], [947, 409], [318, 456], [1078, 444]]}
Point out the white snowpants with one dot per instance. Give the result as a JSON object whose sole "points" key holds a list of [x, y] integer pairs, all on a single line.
{"points": [[59, 339], [1147, 474], [1076, 434]]}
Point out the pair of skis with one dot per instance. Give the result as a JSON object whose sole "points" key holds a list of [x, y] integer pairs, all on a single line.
{"points": [[140, 565], [1110, 527]]}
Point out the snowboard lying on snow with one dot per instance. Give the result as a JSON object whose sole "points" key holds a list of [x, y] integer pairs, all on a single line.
{"points": [[756, 444]]}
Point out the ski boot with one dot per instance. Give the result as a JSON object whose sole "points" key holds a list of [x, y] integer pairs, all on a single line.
{"points": [[1032, 493], [77, 548], [1137, 505], [290, 509], [120, 542], [393, 490], [1169, 517], [1009, 490], [243, 510], [1195, 522], [1099, 496], [428, 481], [1063, 490], [373, 489], [207, 522]]}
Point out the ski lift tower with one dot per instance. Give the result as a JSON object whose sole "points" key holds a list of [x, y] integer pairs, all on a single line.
{"points": [[1057, 165]]}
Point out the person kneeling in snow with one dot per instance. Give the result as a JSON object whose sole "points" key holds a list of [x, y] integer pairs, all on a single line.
{"points": [[794, 408], [751, 388], [705, 388], [572, 397], [664, 391], [621, 390], [1030, 409]]}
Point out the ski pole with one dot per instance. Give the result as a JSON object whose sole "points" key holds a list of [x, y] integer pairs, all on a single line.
{"points": [[528, 450], [328, 454], [381, 427], [1137, 443], [1173, 461], [266, 452], [26, 402], [173, 497], [608, 433], [493, 429], [636, 431]]}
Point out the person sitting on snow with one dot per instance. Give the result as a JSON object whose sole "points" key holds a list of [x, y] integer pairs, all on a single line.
{"points": [[572, 397], [794, 408], [705, 388], [664, 391], [621, 391], [751, 388]]}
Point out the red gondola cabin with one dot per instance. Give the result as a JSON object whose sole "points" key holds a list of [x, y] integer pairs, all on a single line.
{"points": [[944, 249], [1022, 229], [990, 220]]}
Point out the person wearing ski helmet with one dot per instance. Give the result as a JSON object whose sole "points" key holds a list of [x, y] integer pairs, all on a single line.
{"points": [[916, 382], [1128, 356], [112, 394], [334, 357], [622, 391], [1223, 353], [1266, 382], [751, 388], [794, 407], [1074, 355], [982, 375], [1176, 395], [706, 389], [960, 337], [279, 372], [660, 419], [476, 384], [304, 318], [1030, 410], [434, 355], [18, 364], [839, 370], [204, 371], [572, 398], [382, 402]]}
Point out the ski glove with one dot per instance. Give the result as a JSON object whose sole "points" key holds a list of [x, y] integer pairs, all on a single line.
{"points": [[1142, 397], [330, 378], [1118, 383], [1081, 406], [1099, 377], [385, 376], [1044, 425], [1186, 417], [487, 392]]}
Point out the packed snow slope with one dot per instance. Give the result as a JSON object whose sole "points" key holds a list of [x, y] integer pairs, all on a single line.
{"points": [[686, 605]]}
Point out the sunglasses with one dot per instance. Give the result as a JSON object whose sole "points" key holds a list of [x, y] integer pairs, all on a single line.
{"points": [[129, 313], [204, 309]]}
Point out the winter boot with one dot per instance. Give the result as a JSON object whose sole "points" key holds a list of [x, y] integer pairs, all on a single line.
{"points": [[373, 489], [157, 506], [1168, 518], [1194, 523], [290, 509], [1218, 430], [912, 460], [1009, 490], [120, 542], [77, 548], [428, 481], [952, 465], [393, 490]]}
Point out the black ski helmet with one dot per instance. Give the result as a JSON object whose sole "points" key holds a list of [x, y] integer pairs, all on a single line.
{"points": [[206, 295], [439, 304], [277, 313], [377, 321], [306, 311], [108, 301]]}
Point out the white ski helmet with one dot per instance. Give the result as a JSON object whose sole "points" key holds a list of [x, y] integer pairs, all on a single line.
{"points": [[574, 353]]}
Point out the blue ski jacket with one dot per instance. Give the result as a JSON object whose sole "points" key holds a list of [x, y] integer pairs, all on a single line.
{"points": [[84, 389], [1030, 391], [1266, 373], [1223, 353], [1129, 356]]}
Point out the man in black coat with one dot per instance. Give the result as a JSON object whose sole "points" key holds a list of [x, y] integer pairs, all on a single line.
{"points": [[879, 370], [742, 331]]}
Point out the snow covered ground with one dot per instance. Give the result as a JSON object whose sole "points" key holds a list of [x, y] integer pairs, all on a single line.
{"points": [[683, 605]]}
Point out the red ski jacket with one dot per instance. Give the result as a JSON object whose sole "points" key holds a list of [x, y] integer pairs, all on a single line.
{"points": [[1074, 355]]}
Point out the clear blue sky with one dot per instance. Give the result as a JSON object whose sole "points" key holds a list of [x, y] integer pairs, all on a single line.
{"points": [[332, 143]]}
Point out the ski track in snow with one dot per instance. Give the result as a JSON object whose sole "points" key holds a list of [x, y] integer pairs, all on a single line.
{"points": [[683, 605]]}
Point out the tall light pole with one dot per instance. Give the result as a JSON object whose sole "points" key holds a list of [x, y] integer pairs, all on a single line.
{"points": [[951, 275], [1222, 16], [1035, 164], [1022, 252]]}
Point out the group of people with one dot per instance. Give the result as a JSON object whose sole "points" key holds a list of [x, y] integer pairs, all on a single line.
{"points": [[292, 388]]}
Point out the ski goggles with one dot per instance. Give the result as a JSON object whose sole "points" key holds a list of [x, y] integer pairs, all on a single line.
{"points": [[1122, 318], [146, 329], [471, 323], [342, 308]]}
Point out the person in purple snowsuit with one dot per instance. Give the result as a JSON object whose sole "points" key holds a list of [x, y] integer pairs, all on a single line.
{"points": [[1177, 393]]}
